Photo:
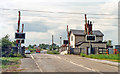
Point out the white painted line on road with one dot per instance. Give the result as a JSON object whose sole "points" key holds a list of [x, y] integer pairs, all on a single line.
{"points": [[32, 56], [57, 57], [79, 65], [82, 66], [36, 63]]}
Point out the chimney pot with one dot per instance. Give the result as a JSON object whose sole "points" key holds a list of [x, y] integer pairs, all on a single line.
{"points": [[88, 22]]}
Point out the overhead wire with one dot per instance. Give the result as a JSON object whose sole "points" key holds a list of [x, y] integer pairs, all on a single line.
{"points": [[61, 12], [52, 11]]}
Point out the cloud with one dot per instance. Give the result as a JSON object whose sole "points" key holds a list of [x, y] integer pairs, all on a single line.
{"points": [[40, 26], [109, 26], [35, 27]]}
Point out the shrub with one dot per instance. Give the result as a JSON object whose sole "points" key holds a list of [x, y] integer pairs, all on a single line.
{"points": [[52, 52], [82, 54]]}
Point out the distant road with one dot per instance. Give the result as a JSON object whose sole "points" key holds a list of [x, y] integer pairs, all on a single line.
{"points": [[43, 52], [63, 63]]}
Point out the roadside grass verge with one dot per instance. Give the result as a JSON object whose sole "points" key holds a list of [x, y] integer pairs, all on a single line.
{"points": [[110, 57], [53, 52], [9, 61], [32, 50]]}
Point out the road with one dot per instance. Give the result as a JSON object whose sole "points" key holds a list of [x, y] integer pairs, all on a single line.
{"points": [[63, 63]]}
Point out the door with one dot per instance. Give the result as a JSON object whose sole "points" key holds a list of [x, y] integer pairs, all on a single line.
{"points": [[89, 51]]}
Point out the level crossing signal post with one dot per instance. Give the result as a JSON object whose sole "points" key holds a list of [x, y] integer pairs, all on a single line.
{"points": [[90, 38], [20, 37]]}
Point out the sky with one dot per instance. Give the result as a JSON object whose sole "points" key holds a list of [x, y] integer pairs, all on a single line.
{"points": [[46, 18]]}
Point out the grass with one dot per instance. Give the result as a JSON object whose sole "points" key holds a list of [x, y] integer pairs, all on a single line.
{"points": [[53, 52], [83, 55], [9, 61], [110, 57], [32, 50], [16, 55]]}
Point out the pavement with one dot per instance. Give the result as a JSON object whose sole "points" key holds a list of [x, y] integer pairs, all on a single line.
{"points": [[42, 62], [105, 62], [28, 65]]}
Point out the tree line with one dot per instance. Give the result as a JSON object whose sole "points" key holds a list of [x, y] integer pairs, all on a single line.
{"points": [[6, 42], [44, 46]]}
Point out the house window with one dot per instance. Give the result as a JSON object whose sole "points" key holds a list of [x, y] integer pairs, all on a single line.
{"points": [[71, 38]]}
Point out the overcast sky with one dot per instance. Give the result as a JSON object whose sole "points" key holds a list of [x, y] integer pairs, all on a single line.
{"points": [[40, 26]]}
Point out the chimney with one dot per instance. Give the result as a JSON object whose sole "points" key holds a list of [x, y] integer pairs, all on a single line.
{"points": [[90, 27], [88, 22]]}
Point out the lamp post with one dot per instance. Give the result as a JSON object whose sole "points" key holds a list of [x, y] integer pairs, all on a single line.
{"points": [[52, 42], [60, 41]]}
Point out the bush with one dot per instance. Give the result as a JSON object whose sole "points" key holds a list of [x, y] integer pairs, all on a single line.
{"points": [[49, 52], [82, 54], [53, 52]]}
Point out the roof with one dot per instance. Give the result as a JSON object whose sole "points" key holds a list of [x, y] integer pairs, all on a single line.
{"points": [[81, 32]]}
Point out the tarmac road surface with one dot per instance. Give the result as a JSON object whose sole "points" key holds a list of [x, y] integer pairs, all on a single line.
{"points": [[38, 62]]}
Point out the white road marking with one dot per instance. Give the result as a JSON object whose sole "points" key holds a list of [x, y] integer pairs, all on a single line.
{"points": [[79, 65], [69, 62], [36, 63]]}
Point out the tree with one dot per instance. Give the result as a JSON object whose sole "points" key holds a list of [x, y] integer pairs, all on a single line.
{"points": [[43, 46], [109, 42], [55, 46], [14, 43], [34, 46], [6, 41], [30, 46]]}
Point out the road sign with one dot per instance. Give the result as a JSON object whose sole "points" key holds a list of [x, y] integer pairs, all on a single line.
{"points": [[90, 37], [19, 35], [65, 42]]}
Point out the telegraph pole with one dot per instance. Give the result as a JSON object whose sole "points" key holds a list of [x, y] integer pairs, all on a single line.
{"points": [[52, 42], [60, 41], [68, 40]]}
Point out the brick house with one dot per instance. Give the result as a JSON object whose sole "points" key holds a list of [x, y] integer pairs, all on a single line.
{"points": [[78, 39]]}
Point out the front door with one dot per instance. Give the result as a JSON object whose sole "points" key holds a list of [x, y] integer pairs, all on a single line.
{"points": [[89, 51]]}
